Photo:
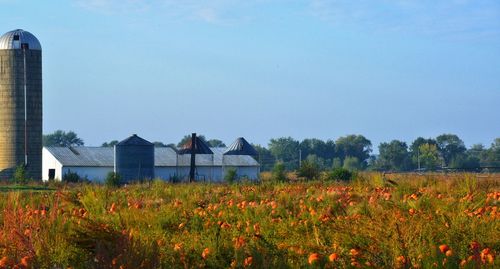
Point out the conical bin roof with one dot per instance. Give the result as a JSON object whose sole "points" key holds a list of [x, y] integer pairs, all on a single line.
{"points": [[241, 147], [200, 147]]}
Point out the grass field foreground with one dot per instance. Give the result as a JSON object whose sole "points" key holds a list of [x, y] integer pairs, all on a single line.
{"points": [[396, 221]]}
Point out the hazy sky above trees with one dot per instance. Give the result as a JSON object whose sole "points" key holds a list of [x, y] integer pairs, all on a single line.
{"points": [[267, 68]]}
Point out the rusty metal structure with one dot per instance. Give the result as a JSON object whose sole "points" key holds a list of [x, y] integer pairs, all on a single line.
{"points": [[20, 104]]}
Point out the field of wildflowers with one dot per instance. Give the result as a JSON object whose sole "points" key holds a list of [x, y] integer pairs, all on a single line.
{"points": [[395, 221]]}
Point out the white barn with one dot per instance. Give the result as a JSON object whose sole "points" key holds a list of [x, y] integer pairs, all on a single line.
{"points": [[94, 163]]}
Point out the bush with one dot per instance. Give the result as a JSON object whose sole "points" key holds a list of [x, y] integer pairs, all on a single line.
{"points": [[279, 174], [112, 179], [230, 176], [20, 175], [71, 177], [309, 170], [341, 174]]}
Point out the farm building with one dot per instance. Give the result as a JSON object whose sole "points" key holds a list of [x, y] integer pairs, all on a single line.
{"points": [[94, 163]]}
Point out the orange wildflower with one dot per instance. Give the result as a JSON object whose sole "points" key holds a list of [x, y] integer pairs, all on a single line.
{"points": [[314, 257], [443, 248], [412, 211], [25, 261], [239, 242], [248, 261], [401, 259], [354, 252], [112, 209], [4, 261], [205, 253], [333, 257]]}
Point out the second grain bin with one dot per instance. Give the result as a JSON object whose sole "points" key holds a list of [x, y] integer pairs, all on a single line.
{"points": [[134, 159]]}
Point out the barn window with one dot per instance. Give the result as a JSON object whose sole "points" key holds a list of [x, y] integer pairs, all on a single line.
{"points": [[16, 38]]}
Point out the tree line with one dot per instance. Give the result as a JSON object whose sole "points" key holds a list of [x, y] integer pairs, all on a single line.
{"points": [[353, 152]]}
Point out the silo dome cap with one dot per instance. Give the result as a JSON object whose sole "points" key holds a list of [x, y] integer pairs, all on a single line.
{"points": [[19, 39]]}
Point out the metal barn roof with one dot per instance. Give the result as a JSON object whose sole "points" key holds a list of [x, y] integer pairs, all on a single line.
{"points": [[16, 38], [164, 157], [83, 156], [241, 147]]}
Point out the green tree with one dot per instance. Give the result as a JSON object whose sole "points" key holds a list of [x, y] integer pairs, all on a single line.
{"points": [[429, 156], [318, 161], [62, 139], [285, 149], [352, 164], [393, 156], [216, 143], [466, 162], [309, 170], [110, 144], [354, 146], [492, 157], [415, 149], [265, 158], [159, 144], [450, 146], [187, 138], [336, 163], [324, 150]]}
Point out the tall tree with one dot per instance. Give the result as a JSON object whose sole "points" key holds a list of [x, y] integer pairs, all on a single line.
{"points": [[187, 138], [492, 157], [450, 146], [216, 143], [393, 156], [429, 156], [159, 144], [415, 148], [110, 144], [354, 146], [265, 158], [62, 139], [318, 147], [285, 149]]}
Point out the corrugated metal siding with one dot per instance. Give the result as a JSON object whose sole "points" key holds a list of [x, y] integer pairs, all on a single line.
{"points": [[7, 40]]}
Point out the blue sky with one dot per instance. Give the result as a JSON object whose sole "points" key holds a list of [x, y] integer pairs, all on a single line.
{"points": [[267, 68]]}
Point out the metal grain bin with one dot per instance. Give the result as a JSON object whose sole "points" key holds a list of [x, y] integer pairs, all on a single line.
{"points": [[134, 159], [20, 104]]}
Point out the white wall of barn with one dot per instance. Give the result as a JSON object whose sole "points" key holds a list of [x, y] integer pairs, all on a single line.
{"points": [[50, 162], [94, 174], [242, 172]]}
